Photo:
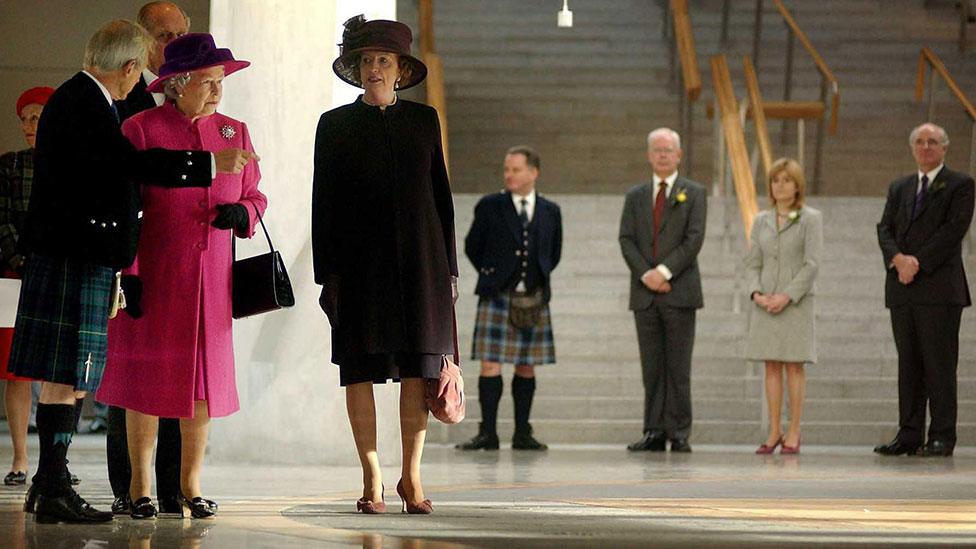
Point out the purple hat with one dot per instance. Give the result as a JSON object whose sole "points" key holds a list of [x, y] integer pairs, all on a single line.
{"points": [[382, 35], [191, 52]]}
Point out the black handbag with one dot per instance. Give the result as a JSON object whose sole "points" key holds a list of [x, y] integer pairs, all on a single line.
{"points": [[260, 283]]}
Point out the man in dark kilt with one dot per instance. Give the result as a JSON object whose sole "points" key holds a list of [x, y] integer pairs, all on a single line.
{"points": [[515, 242], [82, 226]]}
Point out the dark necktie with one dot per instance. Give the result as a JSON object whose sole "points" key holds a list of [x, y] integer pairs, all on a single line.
{"points": [[524, 213], [115, 112], [659, 211], [920, 197]]}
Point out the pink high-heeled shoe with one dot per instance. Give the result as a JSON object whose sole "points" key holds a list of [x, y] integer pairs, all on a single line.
{"points": [[791, 450], [418, 508], [369, 507], [765, 449]]}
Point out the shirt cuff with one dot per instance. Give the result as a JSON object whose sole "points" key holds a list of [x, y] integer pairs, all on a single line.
{"points": [[213, 166], [664, 270]]}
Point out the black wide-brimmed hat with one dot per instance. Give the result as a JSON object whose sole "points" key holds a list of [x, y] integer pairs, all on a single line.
{"points": [[377, 35]]}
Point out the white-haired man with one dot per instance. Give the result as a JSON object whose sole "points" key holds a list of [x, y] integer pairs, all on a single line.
{"points": [[662, 229]]}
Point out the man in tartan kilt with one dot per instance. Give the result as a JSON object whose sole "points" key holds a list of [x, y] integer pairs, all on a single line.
{"points": [[82, 225], [515, 242]]}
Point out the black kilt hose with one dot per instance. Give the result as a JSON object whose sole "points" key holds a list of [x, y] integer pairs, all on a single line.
{"points": [[60, 334], [506, 253]]}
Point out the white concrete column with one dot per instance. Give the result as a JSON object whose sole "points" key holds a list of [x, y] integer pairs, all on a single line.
{"points": [[292, 408]]}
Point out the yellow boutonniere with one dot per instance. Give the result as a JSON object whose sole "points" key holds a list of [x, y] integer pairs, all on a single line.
{"points": [[681, 197], [938, 186], [793, 216]]}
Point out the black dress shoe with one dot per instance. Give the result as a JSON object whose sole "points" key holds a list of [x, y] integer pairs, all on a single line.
{"points": [[199, 507], [650, 442], [896, 448], [935, 448], [68, 508], [481, 441], [143, 508], [30, 500], [122, 505], [15, 478], [170, 506], [523, 440], [680, 445]]}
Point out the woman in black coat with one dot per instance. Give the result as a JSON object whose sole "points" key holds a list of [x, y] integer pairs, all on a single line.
{"points": [[383, 246]]}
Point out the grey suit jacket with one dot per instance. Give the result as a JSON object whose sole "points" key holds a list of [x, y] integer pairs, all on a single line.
{"points": [[680, 237], [785, 260]]}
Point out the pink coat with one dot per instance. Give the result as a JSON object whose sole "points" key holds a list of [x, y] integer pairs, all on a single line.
{"points": [[182, 348]]}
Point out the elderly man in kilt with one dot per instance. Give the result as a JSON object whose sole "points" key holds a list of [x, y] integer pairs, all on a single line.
{"points": [[515, 242], [82, 226]]}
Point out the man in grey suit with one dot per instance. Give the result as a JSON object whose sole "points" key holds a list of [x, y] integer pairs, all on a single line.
{"points": [[661, 232]]}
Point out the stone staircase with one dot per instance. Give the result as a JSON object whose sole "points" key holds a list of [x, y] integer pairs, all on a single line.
{"points": [[594, 393], [586, 97]]}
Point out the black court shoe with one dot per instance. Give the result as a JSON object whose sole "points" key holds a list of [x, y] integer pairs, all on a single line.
{"points": [[122, 505], [70, 508], [143, 508], [199, 507], [15, 478]]}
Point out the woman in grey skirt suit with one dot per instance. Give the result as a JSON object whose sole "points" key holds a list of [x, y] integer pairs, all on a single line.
{"points": [[781, 266]]}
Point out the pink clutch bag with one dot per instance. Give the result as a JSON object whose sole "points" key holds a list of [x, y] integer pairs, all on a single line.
{"points": [[445, 395]]}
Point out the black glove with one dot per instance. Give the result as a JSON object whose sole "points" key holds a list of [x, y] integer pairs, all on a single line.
{"points": [[232, 216], [16, 264], [329, 300], [132, 288]]}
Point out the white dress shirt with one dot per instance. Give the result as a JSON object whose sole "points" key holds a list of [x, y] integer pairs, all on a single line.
{"points": [[529, 204], [108, 96], [149, 76], [669, 185], [931, 175]]}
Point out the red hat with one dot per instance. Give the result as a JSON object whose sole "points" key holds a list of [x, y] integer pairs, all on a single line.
{"points": [[38, 95]]}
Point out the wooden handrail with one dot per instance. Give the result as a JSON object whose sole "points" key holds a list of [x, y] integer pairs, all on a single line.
{"points": [[685, 38], [735, 142], [436, 96], [758, 107], [928, 57], [825, 71]]}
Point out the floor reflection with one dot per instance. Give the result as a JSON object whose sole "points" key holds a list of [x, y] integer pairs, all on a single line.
{"points": [[120, 533]]}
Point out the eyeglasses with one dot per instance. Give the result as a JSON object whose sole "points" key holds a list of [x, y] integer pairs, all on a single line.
{"points": [[663, 151], [920, 143]]}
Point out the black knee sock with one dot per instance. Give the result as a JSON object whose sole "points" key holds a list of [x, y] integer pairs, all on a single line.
{"points": [[523, 389], [79, 404], [55, 427], [489, 394]]}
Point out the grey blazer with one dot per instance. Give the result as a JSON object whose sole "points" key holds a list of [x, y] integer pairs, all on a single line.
{"points": [[785, 260], [680, 237]]}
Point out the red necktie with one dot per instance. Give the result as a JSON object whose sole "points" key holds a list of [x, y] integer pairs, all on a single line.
{"points": [[659, 211]]}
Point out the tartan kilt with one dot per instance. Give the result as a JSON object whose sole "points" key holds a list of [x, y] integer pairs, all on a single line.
{"points": [[61, 331], [496, 340]]}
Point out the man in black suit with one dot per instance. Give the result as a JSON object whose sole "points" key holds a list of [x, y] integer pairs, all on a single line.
{"points": [[925, 220], [164, 21], [662, 229], [83, 225], [515, 242]]}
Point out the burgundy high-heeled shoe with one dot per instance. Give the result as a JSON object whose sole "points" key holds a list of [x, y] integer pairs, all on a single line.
{"points": [[765, 449], [368, 507], [418, 508], [791, 450]]}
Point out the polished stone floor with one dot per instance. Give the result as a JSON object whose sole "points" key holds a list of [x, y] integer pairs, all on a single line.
{"points": [[718, 496]]}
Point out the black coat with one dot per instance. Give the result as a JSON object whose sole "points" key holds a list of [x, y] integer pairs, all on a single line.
{"points": [[84, 203], [137, 101], [494, 243], [934, 238], [383, 229]]}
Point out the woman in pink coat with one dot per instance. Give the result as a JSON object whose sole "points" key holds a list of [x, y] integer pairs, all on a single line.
{"points": [[172, 355]]}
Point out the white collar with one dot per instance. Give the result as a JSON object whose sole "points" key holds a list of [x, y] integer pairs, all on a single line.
{"points": [[108, 96], [931, 175], [529, 199], [669, 180], [149, 76]]}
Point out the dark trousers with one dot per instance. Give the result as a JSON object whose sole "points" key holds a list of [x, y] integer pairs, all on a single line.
{"points": [[168, 449], [927, 339], [666, 337]]}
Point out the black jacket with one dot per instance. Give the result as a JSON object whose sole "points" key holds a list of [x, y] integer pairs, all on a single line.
{"points": [[494, 243], [383, 229], [934, 237], [137, 101], [84, 203]]}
